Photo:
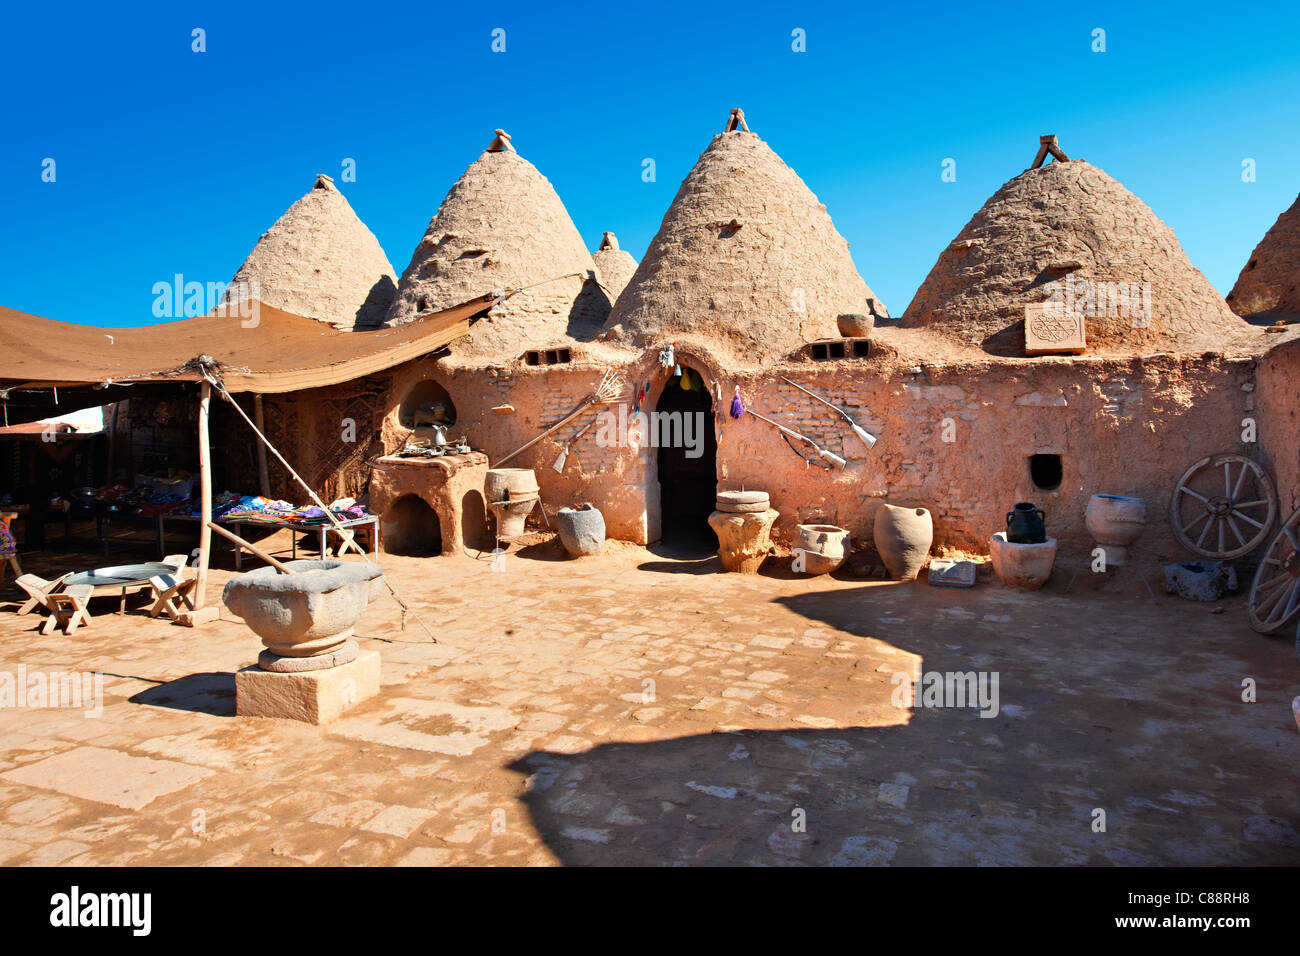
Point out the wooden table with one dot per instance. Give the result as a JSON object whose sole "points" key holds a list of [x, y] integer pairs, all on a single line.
{"points": [[297, 527], [123, 578]]}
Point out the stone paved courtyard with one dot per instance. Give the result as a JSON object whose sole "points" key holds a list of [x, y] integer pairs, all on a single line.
{"points": [[642, 709]]}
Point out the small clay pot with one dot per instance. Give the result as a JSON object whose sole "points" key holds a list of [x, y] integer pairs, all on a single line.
{"points": [[903, 537], [824, 547], [1026, 524], [854, 325]]}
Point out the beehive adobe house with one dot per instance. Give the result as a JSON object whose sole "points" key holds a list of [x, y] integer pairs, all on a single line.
{"points": [[746, 276], [1269, 284], [1268, 291], [614, 266], [319, 260]]}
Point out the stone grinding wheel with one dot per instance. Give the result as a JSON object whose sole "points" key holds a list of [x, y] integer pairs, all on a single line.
{"points": [[1274, 601], [743, 502], [1223, 523]]}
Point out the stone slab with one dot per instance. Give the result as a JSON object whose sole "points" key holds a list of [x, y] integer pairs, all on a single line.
{"points": [[107, 776], [315, 697], [1053, 332], [952, 574]]}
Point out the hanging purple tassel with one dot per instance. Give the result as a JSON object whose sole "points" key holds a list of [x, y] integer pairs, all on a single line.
{"points": [[737, 406]]}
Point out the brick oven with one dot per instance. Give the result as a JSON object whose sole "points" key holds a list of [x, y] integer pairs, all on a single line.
{"points": [[430, 506]]}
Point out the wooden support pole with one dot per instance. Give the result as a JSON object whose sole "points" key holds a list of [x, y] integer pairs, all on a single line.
{"points": [[263, 475], [249, 546], [205, 495]]}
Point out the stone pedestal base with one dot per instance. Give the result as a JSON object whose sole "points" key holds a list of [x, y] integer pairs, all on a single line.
{"points": [[1025, 566], [316, 697], [744, 540]]}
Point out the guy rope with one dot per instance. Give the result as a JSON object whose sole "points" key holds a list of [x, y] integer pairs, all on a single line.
{"points": [[210, 369]]}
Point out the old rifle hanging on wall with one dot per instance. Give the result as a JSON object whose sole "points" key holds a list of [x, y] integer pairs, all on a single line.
{"points": [[868, 439], [822, 453]]}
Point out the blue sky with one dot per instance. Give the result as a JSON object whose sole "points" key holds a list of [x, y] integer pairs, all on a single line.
{"points": [[170, 161]]}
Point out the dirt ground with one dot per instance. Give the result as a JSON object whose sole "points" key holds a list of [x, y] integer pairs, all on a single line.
{"points": [[642, 708]]}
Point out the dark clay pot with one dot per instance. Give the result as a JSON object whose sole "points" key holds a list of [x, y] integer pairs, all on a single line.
{"points": [[1026, 524]]}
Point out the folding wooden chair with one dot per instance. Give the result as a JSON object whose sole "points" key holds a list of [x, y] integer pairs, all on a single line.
{"points": [[68, 608], [169, 590], [38, 589]]}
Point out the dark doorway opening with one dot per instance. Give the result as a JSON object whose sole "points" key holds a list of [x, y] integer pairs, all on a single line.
{"points": [[1045, 471], [688, 462], [411, 528]]}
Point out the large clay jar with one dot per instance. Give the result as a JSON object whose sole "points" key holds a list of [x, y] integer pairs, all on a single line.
{"points": [[903, 537], [821, 548], [511, 493], [309, 613], [582, 530], [1115, 522]]}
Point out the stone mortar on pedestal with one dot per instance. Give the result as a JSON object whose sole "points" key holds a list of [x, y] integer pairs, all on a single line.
{"points": [[311, 669]]}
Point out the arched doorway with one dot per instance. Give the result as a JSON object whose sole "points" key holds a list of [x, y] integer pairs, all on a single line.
{"points": [[682, 427], [411, 528]]}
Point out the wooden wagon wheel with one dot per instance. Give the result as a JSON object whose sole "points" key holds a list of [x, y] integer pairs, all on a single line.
{"points": [[1275, 592], [1227, 522]]}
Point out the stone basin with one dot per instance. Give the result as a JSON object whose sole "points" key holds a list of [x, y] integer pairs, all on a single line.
{"points": [[308, 613]]}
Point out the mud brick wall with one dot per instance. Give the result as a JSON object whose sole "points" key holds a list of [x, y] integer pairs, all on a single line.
{"points": [[1277, 409], [956, 439]]}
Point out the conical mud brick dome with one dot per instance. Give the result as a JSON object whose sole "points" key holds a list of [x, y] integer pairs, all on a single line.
{"points": [[1270, 282], [745, 255], [614, 267], [501, 228], [1067, 229], [320, 260]]}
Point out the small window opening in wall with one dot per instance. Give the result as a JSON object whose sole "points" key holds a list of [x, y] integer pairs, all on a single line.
{"points": [[1045, 471], [422, 306], [826, 351], [829, 351], [548, 357]]}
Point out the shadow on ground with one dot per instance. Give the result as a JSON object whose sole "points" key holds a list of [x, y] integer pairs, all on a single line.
{"points": [[1114, 714], [210, 693]]}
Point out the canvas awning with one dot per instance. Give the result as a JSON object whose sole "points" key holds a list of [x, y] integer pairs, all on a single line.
{"points": [[271, 351], [267, 351]]}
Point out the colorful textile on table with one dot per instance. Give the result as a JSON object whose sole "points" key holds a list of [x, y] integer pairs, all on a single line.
{"points": [[8, 546]]}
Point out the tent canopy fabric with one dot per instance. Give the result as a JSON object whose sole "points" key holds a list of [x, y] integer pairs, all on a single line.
{"points": [[267, 351]]}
